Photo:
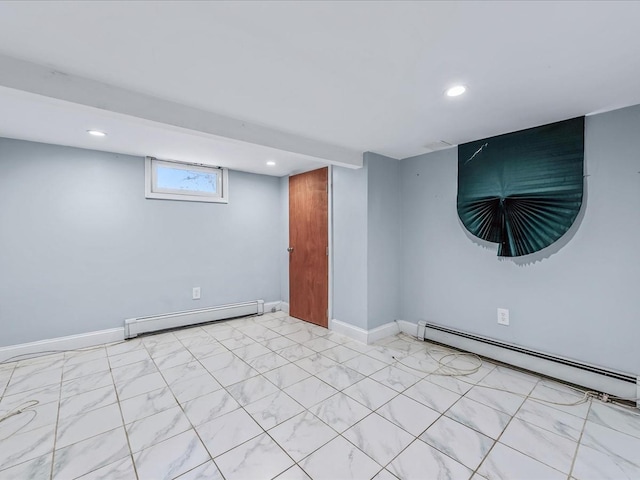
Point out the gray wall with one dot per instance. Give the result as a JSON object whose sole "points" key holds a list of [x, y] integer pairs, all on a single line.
{"points": [[81, 249], [383, 239], [580, 301], [350, 246]]}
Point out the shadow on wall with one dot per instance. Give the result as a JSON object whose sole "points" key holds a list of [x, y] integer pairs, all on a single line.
{"points": [[545, 252]]}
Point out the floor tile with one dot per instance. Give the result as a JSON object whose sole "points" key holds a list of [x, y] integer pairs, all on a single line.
{"points": [[378, 438], [293, 473], [301, 336], [133, 371], [85, 425], [42, 395], [319, 344], [365, 365], [138, 386], [616, 444], [34, 381], [85, 402], [419, 458], [339, 459], [501, 378], [89, 455], [481, 418], [147, 404], [315, 363], [21, 447], [432, 395], [168, 459], [183, 372], [39, 467], [310, 391], [127, 358], [287, 375], [267, 362], [228, 431], [173, 359], [77, 370], [370, 393], [457, 441], [454, 384], [278, 343], [206, 471], [124, 347], [207, 407], [119, 470], [618, 418], [395, 378], [555, 421], [251, 351], [340, 412], [383, 354], [340, 377], [340, 354], [156, 428], [192, 388], [274, 409], [235, 373], [302, 434], [544, 446], [508, 403], [32, 418], [260, 457], [405, 412], [295, 352], [592, 464], [220, 361], [251, 390], [504, 463]]}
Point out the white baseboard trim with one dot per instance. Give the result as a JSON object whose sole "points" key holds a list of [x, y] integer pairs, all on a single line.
{"points": [[590, 376], [360, 334], [383, 331], [72, 342], [268, 306], [356, 333], [284, 306], [408, 327]]}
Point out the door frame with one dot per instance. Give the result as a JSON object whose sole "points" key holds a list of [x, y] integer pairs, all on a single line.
{"points": [[330, 243]]}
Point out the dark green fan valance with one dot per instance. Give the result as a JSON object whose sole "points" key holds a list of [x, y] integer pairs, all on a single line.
{"points": [[522, 190]]}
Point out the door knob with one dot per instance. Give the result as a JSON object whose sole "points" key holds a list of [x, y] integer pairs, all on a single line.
{"points": [[290, 249]]}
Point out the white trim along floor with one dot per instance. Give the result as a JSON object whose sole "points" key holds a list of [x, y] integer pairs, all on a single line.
{"points": [[274, 397]]}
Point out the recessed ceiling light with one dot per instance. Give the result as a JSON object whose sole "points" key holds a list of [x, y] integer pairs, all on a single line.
{"points": [[96, 133], [271, 163], [456, 90]]}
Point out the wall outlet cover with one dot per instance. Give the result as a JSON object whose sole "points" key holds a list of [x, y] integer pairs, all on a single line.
{"points": [[196, 293], [503, 316]]}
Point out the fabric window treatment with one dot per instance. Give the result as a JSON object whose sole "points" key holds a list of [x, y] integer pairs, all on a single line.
{"points": [[522, 190]]}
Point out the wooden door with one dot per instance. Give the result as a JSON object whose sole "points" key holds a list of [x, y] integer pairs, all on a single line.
{"points": [[308, 246]]}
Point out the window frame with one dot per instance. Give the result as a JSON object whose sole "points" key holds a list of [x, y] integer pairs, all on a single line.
{"points": [[152, 191]]}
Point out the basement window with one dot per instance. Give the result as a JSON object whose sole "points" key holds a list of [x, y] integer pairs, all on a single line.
{"points": [[169, 180]]}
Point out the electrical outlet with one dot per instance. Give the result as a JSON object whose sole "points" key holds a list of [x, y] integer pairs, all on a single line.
{"points": [[503, 316], [196, 293]]}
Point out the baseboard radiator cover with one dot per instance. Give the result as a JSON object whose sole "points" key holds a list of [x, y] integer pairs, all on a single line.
{"points": [[620, 384], [137, 326]]}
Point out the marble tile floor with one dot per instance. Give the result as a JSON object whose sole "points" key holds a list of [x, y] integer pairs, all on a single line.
{"points": [[273, 397]]}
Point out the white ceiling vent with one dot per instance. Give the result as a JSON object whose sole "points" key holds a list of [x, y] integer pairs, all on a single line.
{"points": [[438, 145]]}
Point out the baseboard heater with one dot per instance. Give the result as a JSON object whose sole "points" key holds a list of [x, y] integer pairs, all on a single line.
{"points": [[620, 384], [137, 326]]}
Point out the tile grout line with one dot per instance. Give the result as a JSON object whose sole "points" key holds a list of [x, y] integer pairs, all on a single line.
{"points": [[579, 442]]}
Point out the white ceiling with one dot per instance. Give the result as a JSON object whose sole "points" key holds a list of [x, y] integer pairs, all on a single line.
{"points": [[363, 76]]}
